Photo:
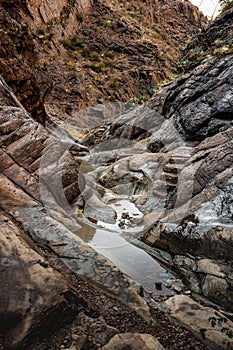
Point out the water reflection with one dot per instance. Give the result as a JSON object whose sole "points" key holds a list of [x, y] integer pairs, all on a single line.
{"points": [[133, 261], [108, 239]]}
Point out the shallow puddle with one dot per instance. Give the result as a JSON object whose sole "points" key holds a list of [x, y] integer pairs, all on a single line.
{"points": [[128, 217], [108, 240]]}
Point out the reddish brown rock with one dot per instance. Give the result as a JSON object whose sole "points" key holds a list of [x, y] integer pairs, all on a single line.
{"points": [[66, 55]]}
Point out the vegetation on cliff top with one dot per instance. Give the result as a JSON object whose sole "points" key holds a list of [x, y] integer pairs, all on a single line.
{"points": [[80, 56]]}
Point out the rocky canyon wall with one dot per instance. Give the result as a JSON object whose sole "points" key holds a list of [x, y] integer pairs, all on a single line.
{"points": [[61, 56]]}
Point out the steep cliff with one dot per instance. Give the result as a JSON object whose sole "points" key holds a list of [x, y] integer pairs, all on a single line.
{"points": [[66, 55]]}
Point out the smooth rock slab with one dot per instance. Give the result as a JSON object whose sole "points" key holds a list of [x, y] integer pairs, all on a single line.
{"points": [[206, 323], [133, 341], [210, 267], [35, 300]]}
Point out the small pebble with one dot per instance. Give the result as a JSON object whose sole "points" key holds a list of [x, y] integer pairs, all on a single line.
{"points": [[124, 215], [187, 292], [158, 285], [121, 224]]}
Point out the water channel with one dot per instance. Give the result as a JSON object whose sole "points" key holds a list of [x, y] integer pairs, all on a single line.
{"points": [[111, 241]]}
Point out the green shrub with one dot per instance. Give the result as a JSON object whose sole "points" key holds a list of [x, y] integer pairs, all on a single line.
{"points": [[107, 23], [136, 100], [73, 43], [132, 73], [108, 63], [79, 17], [110, 54], [115, 83], [180, 66], [98, 68], [162, 83]]}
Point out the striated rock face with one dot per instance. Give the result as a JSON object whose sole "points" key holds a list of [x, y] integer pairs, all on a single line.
{"points": [[66, 55], [17, 62], [23, 142], [205, 115], [42, 11]]}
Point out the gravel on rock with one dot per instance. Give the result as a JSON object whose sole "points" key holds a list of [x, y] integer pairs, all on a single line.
{"points": [[112, 317]]}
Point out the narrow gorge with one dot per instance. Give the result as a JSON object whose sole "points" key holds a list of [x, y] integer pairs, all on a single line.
{"points": [[116, 153]]}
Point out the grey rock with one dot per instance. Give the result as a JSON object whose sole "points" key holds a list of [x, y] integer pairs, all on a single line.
{"points": [[210, 267], [33, 294], [184, 262], [133, 341], [215, 288], [209, 325]]}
